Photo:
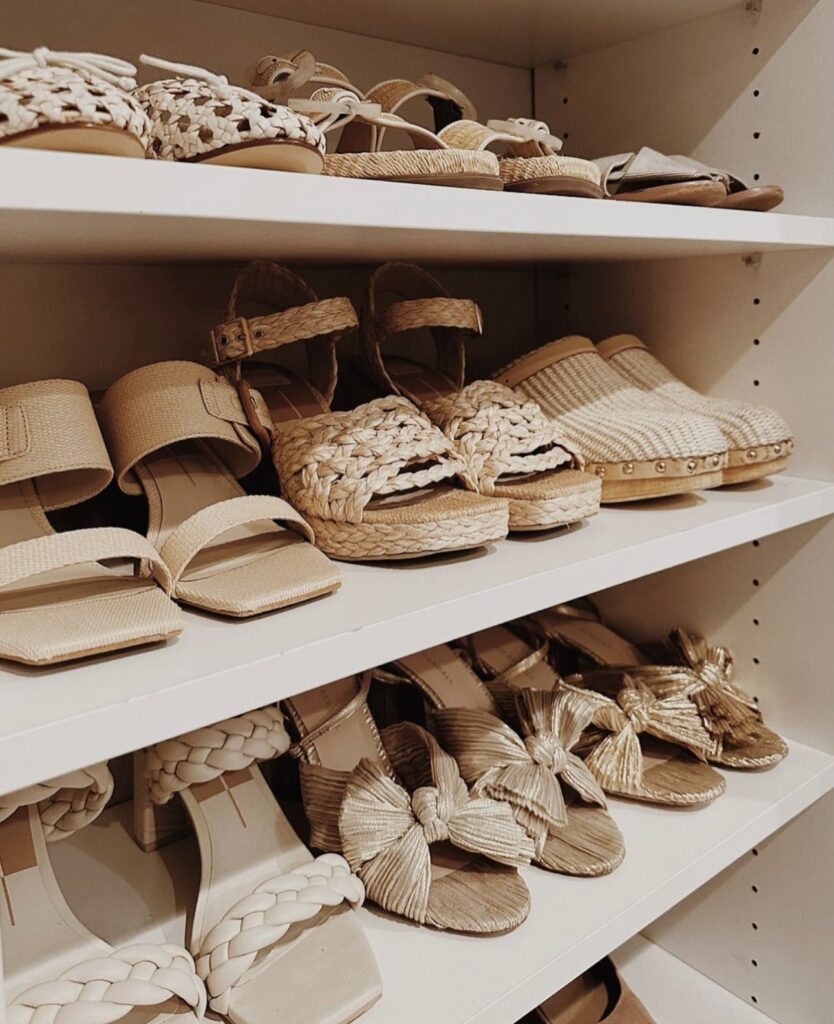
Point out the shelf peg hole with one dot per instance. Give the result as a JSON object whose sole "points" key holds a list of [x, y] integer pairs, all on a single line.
{"points": [[755, 1000], [755, 888], [755, 622], [757, 341], [756, 661], [756, 301], [755, 926], [757, 135], [755, 51], [755, 963], [755, 93], [756, 177], [564, 99], [755, 851]]}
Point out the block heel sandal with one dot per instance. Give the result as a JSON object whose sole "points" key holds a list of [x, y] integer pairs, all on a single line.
{"points": [[599, 995]]}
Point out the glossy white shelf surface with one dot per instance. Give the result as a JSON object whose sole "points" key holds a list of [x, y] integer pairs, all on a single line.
{"points": [[85, 712], [66, 206]]}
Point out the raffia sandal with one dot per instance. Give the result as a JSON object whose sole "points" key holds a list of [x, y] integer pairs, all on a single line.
{"points": [[509, 448], [363, 119], [638, 444], [685, 664], [395, 805], [179, 436], [269, 918], [760, 441], [43, 939], [56, 601], [199, 116], [78, 102], [598, 995]]}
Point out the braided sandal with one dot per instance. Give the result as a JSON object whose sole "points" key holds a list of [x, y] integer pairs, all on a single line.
{"points": [[509, 448], [395, 805], [88, 981], [179, 435], [598, 995], [269, 917], [56, 602]]}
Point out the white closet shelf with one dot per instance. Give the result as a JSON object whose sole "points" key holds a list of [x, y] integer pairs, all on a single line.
{"points": [[85, 712], [60, 207]]}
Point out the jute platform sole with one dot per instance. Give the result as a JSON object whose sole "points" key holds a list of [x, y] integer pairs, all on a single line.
{"points": [[749, 464], [557, 186], [419, 166], [105, 140], [688, 193], [580, 500], [638, 481], [482, 181], [266, 155]]}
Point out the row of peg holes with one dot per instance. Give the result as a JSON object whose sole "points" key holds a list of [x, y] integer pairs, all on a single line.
{"points": [[755, 890]]}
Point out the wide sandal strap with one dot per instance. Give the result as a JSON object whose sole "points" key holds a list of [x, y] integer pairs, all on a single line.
{"points": [[517, 136], [66, 803]]}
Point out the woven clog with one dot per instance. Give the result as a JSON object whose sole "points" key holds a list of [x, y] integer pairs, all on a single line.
{"points": [[599, 996]]}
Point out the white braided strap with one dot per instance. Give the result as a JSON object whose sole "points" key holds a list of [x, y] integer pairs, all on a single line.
{"points": [[66, 803], [205, 754], [258, 922], [107, 988], [332, 465], [497, 433]]}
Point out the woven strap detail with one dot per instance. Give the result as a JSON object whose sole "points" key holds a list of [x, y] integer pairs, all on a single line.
{"points": [[259, 921], [517, 136], [205, 754], [107, 988], [66, 803], [412, 314], [332, 465]]}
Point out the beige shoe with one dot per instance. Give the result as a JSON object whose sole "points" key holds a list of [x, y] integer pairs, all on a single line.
{"points": [[598, 995], [759, 440]]}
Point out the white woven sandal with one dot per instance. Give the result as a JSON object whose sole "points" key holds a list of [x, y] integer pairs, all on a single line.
{"points": [[56, 601], [54, 968], [179, 436], [198, 116], [759, 440], [335, 104], [640, 445], [509, 447], [79, 102], [271, 922]]}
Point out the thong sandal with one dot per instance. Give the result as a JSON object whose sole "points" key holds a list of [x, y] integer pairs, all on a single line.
{"points": [[56, 601], [54, 968], [509, 447], [179, 436], [599, 995], [269, 918], [395, 805]]}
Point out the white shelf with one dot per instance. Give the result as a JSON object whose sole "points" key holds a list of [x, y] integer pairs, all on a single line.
{"points": [[65, 207], [89, 711]]}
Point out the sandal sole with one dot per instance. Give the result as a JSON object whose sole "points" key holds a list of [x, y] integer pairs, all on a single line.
{"points": [[265, 155], [579, 188], [101, 139], [687, 193]]}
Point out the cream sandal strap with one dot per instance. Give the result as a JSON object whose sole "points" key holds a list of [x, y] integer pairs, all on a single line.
{"points": [[66, 803]]}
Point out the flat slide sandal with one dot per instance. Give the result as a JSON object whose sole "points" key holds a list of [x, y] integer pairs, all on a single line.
{"points": [[54, 968], [179, 436], [510, 449], [651, 177], [57, 602], [599, 995], [395, 805], [273, 934]]}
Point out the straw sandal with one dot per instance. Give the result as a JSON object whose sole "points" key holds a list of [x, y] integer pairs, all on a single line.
{"points": [[599, 994], [269, 918], [686, 665], [509, 448], [57, 603], [199, 116], [395, 805], [78, 102], [179, 436], [363, 120], [526, 761], [639, 444], [144, 983], [760, 441]]}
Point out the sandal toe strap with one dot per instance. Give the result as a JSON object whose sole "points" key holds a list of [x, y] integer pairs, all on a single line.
{"points": [[65, 803]]}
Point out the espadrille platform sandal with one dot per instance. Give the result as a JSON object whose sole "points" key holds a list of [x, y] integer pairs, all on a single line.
{"points": [[54, 968], [335, 104], [684, 664], [759, 440], [56, 601], [198, 116], [525, 760], [269, 917], [395, 805], [599, 995], [78, 102], [179, 436], [637, 443], [509, 447]]}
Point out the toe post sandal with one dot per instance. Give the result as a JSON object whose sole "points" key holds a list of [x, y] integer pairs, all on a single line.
{"points": [[639, 445], [599, 995], [760, 442], [509, 447]]}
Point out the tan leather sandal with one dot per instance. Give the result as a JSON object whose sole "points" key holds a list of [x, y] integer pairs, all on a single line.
{"points": [[598, 995], [56, 601], [179, 436]]}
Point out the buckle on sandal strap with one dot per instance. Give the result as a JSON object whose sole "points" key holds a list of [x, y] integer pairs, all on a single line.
{"points": [[231, 341]]}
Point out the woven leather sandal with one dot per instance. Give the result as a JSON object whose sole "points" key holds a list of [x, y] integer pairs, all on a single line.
{"points": [[598, 995], [78, 102], [525, 760], [179, 436], [395, 805], [56, 602], [759, 440], [685, 664], [43, 939], [637, 443], [509, 448], [269, 917]]}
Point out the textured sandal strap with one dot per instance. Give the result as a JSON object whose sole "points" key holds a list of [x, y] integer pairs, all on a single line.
{"points": [[65, 803], [539, 359]]}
